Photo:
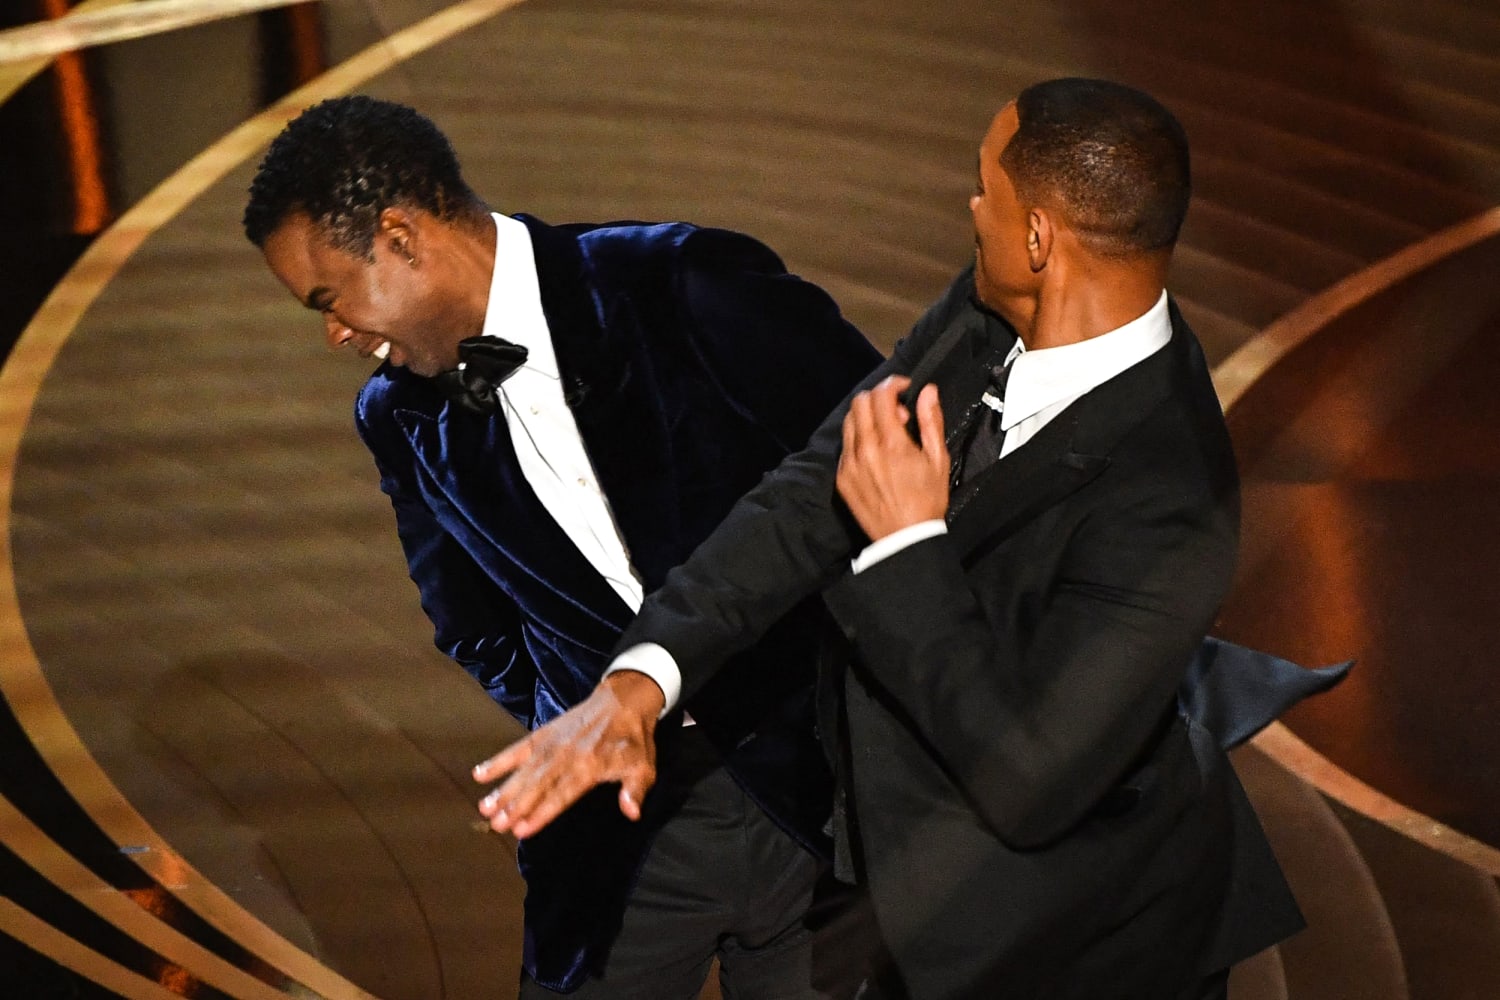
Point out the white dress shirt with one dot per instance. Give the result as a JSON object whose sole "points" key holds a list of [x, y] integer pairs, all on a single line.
{"points": [[1042, 384], [542, 429]]}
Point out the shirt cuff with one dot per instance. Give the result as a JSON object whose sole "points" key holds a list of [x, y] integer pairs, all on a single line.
{"points": [[895, 542], [656, 663]]}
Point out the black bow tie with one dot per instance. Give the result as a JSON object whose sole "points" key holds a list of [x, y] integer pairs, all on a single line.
{"points": [[483, 364]]}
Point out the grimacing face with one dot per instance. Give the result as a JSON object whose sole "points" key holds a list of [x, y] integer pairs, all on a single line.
{"points": [[385, 309], [1002, 267]]}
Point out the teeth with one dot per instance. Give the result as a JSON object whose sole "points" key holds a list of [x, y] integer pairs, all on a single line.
{"points": [[383, 351]]}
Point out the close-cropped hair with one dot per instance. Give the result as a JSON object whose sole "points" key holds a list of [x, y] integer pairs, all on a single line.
{"points": [[343, 161], [1111, 158]]}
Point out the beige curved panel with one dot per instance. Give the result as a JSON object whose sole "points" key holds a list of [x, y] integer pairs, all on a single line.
{"points": [[1233, 378], [21, 680]]}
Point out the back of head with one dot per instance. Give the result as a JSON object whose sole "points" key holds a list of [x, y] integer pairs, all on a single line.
{"points": [[345, 160], [1109, 157]]}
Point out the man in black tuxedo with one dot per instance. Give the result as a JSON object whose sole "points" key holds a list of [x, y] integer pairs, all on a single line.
{"points": [[1018, 581], [560, 415]]}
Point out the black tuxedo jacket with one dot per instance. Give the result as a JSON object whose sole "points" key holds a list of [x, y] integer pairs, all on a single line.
{"points": [[1033, 813], [692, 363]]}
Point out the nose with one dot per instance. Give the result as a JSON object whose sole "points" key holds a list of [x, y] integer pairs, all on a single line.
{"points": [[334, 331]]}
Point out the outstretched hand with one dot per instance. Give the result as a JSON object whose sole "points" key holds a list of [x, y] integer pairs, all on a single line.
{"points": [[609, 736], [888, 480]]}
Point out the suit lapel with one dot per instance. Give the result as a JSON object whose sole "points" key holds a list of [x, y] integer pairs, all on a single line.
{"points": [[493, 500], [1021, 485], [957, 363], [1069, 452], [607, 384]]}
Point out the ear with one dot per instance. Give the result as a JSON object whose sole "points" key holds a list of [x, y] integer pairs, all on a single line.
{"points": [[398, 231], [1039, 238]]}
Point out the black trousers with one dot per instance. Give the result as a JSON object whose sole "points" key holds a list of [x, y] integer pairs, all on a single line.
{"points": [[723, 881]]}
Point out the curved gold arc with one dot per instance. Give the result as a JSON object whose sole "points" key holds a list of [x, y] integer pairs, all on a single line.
{"points": [[1235, 374], [82, 29], [1290, 752], [1233, 377], [21, 680], [43, 938], [67, 873], [15, 75]]}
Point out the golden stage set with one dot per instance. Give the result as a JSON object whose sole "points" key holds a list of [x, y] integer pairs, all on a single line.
{"points": [[234, 765]]}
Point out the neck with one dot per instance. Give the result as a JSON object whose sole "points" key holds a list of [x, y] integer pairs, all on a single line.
{"points": [[467, 256], [1087, 298]]}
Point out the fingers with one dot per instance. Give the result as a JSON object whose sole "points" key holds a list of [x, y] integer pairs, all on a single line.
{"points": [[633, 789], [887, 414], [526, 803], [504, 762], [877, 415], [602, 739], [930, 423], [531, 797], [524, 807]]}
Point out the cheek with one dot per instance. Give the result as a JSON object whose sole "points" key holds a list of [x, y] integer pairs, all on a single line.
{"points": [[382, 309]]}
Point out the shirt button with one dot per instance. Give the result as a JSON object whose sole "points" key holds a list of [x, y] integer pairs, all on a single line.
{"points": [[535, 410], [582, 481]]}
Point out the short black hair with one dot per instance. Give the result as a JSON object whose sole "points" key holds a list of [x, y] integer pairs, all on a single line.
{"points": [[1112, 157], [345, 160]]}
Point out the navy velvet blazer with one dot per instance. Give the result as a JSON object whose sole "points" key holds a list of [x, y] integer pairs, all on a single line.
{"points": [[693, 363]]}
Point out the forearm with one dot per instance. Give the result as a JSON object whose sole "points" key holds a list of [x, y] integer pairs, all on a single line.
{"points": [[787, 538], [782, 541]]}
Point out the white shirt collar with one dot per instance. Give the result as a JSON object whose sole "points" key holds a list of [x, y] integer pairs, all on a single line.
{"points": [[514, 310], [1054, 375]]}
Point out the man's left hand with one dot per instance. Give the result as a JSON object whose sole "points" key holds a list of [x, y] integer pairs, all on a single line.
{"points": [[888, 480]]}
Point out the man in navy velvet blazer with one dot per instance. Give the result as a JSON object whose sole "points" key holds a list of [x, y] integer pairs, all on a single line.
{"points": [[662, 370]]}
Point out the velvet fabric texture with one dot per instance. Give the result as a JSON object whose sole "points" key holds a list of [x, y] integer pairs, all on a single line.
{"points": [[692, 363]]}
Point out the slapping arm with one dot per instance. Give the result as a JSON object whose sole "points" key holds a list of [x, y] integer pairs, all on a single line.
{"points": [[792, 534]]}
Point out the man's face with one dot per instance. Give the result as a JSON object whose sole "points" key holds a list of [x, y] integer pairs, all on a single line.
{"points": [[1002, 267], [385, 308]]}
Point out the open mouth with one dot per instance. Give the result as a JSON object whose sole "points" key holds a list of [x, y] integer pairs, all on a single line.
{"points": [[383, 351]]}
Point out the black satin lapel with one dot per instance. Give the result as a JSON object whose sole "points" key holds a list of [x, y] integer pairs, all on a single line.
{"points": [[608, 384], [585, 359], [1021, 485], [961, 375], [493, 496]]}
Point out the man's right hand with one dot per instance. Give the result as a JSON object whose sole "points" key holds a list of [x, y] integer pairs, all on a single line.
{"points": [[609, 736]]}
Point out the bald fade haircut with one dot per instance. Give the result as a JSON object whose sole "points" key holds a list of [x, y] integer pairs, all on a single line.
{"points": [[1110, 157], [344, 161]]}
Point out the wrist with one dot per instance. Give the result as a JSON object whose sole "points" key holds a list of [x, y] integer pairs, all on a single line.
{"points": [[635, 693], [888, 545]]}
